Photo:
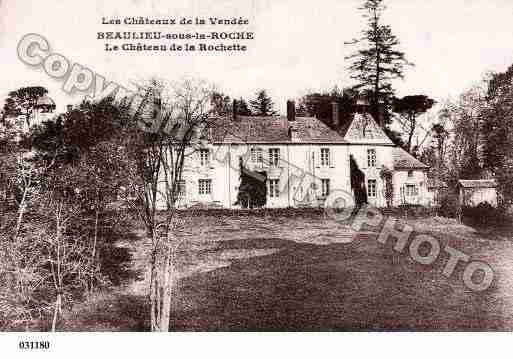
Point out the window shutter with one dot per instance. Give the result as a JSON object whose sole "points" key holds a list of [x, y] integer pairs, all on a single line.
{"points": [[331, 158]]}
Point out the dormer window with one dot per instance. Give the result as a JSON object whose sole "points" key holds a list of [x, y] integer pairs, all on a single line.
{"points": [[368, 133]]}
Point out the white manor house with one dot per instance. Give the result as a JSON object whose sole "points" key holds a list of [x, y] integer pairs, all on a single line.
{"points": [[300, 161]]}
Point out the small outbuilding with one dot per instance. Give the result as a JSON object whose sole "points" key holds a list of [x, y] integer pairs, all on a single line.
{"points": [[473, 192]]}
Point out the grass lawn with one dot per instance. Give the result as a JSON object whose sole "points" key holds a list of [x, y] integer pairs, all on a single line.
{"points": [[275, 273]]}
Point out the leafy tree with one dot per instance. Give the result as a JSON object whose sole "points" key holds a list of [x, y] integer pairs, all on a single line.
{"points": [[221, 104], [395, 136], [23, 101], [242, 107], [458, 139], [378, 60], [85, 140], [252, 190], [440, 135], [409, 108], [357, 182], [387, 176], [496, 119], [498, 133], [429, 157], [47, 259], [465, 116], [262, 104], [69, 251], [77, 131], [319, 105]]}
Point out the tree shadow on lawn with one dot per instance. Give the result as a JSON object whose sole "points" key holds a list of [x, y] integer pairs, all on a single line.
{"points": [[112, 308], [116, 261], [109, 311], [359, 286]]}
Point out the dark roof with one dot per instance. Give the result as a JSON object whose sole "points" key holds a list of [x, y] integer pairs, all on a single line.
{"points": [[272, 129], [344, 127], [478, 183], [403, 160], [436, 183]]}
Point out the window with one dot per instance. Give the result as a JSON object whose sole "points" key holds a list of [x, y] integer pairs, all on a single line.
{"points": [[274, 156], [410, 174], [204, 157], [274, 190], [205, 186], [325, 188], [256, 155], [371, 158], [411, 190], [368, 133], [371, 188], [180, 188], [325, 157]]}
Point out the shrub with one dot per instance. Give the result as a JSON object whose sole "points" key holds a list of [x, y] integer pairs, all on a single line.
{"points": [[409, 210], [252, 190], [483, 215], [449, 205]]}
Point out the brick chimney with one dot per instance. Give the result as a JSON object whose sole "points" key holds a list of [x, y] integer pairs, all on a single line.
{"points": [[381, 116], [380, 113], [293, 134], [335, 114], [291, 111], [234, 109]]}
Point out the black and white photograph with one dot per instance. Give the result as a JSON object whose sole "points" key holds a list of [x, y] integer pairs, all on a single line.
{"points": [[255, 166]]}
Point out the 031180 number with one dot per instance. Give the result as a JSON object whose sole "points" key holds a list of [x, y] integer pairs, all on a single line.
{"points": [[34, 345]]}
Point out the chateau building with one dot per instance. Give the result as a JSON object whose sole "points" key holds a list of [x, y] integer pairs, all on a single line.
{"points": [[299, 162]]}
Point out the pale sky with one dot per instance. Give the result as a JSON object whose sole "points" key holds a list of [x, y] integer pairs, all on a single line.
{"points": [[299, 45]]}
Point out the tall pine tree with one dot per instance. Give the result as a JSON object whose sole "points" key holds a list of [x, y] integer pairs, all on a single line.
{"points": [[262, 105], [377, 61]]}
